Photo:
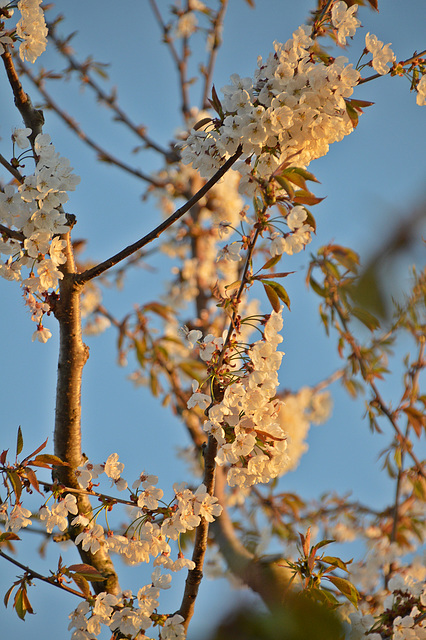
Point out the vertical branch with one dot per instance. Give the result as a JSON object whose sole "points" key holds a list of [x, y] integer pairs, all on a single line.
{"points": [[217, 25], [195, 575], [73, 354]]}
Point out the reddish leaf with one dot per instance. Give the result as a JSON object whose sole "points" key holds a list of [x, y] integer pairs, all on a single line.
{"points": [[32, 478], [40, 448]]}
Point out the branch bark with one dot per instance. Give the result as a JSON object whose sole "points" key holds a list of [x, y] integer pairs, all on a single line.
{"points": [[128, 251], [73, 354]]}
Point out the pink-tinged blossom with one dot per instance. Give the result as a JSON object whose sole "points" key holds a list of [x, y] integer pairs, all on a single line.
{"points": [[91, 539], [32, 29], [18, 519], [20, 137], [41, 334], [344, 20], [149, 497], [159, 580], [4, 39], [382, 54], [421, 92], [112, 467], [173, 628]]}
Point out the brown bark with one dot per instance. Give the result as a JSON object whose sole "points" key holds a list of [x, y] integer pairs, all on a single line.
{"points": [[73, 354]]}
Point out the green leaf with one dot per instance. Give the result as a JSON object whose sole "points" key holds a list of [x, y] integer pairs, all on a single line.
{"points": [[306, 197], [82, 584], [279, 291], [271, 262], [16, 483], [366, 318], [48, 459], [345, 256], [285, 184], [336, 562], [8, 535], [8, 594], [272, 297], [353, 114], [346, 588], [317, 287], [19, 442]]}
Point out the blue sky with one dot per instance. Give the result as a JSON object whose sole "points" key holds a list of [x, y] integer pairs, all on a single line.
{"points": [[371, 180]]}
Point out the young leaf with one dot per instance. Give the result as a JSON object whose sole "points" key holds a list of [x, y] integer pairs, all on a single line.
{"points": [[272, 297], [280, 292], [346, 588], [19, 442], [366, 318]]}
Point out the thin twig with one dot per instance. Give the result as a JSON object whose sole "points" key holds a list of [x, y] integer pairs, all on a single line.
{"points": [[15, 173], [103, 154], [217, 24], [128, 251], [403, 63], [110, 101], [179, 62], [39, 576], [11, 233]]}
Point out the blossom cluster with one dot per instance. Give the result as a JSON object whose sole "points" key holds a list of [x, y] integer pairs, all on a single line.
{"points": [[34, 210], [403, 617], [293, 108], [245, 422], [147, 538], [126, 614], [296, 414], [32, 29]]}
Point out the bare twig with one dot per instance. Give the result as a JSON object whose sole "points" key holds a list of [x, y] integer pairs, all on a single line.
{"points": [[403, 63], [180, 62], [103, 154], [109, 100], [34, 574], [216, 28], [15, 173], [128, 251]]}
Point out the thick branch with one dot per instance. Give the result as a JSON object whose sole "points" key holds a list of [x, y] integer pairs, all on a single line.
{"points": [[128, 251], [269, 577], [201, 536], [73, 354], [33, 118]]}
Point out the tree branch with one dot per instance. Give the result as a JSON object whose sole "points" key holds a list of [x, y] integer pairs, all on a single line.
{"points": [[125, 253], [33, 118], [108, 100], [217, 25], [403, 63], [39, 576], [15, 173], [73, 355], [201, 536], [103, 154]]}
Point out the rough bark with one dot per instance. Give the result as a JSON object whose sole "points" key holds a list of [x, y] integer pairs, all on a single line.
{"points": [[73, 354]]}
